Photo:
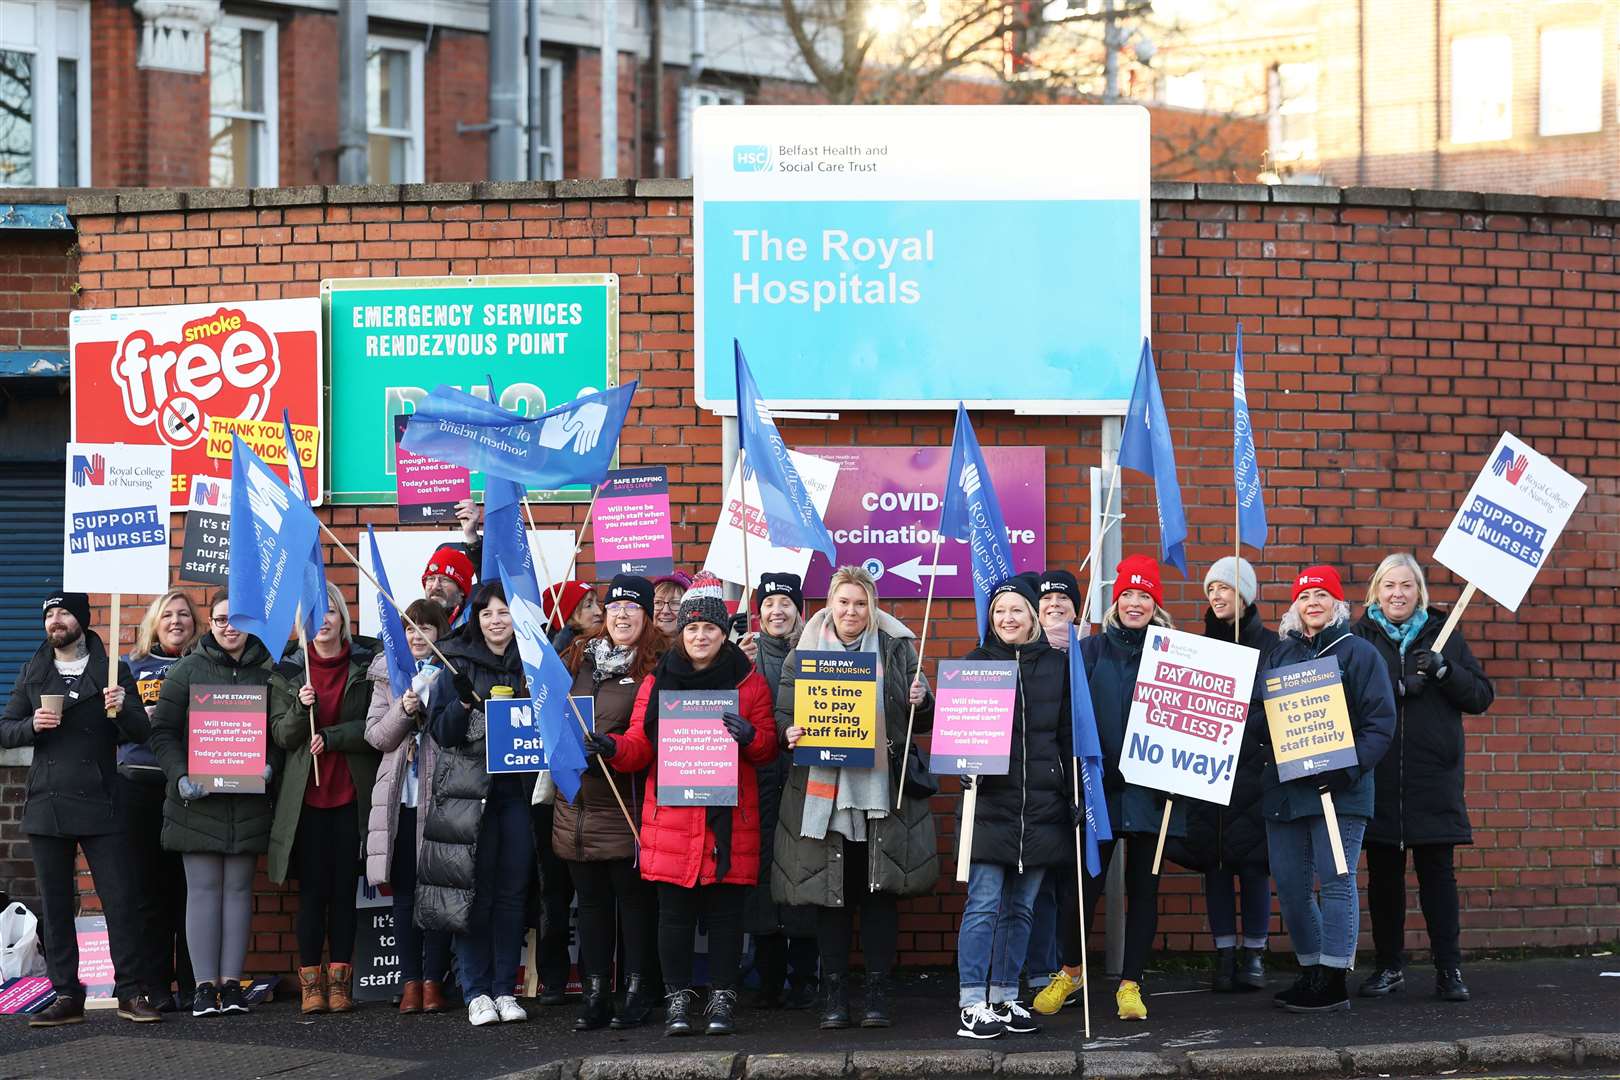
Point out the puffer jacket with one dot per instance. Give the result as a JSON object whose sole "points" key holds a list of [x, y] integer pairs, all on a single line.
{"points": [[137, 761], [216, 824], [1112, 658], [902, 852], [762, 914], [393, 735], [1023, 818], [592, 828], [1418, 786]]}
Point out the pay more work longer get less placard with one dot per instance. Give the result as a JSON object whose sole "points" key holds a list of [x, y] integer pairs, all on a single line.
{"points": [[835, 702]]}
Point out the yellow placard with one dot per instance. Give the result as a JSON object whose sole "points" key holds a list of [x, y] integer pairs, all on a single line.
{"points": [[264, 438], [835, 702], [1308, 719]]}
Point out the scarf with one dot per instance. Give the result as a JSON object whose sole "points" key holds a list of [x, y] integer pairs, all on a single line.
{"points": [[1402, 635], [608, 660], [844, 800]]}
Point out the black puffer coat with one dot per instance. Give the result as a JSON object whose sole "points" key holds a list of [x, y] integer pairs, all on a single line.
{"points": [[1418, 786], [1023, 819], [762, 914]]}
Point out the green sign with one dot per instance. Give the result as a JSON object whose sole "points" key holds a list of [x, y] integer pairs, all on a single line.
{"points": [[543, 338]]}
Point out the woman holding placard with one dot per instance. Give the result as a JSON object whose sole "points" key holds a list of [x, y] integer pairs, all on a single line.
{"points": [[1418, 790], [219, 837], [840, 844], [1323, 931], [702, 858]]}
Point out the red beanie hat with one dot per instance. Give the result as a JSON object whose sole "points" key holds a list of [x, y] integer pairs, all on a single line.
{"points": [[451, 563], [1139, 572], [560, 604], [1319, 577]]}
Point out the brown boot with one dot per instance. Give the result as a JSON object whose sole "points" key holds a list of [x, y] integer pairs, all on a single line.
{"points": [[312, 984], [410, 997], [339, 987], [432, 997]]}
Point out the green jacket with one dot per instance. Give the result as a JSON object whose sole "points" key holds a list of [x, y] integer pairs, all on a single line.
{"points": [[289, 729], [215, 824]]}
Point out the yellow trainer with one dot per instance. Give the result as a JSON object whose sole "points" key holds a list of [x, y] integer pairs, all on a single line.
{"points": [[1055, 994], [1129, 999]]}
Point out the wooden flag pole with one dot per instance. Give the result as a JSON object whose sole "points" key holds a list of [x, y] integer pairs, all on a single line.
{"points": [[1331, 820], [964, 834], [113, 647], [748, 580], [922, 647], [1237, 569], [1164, 829], [1451, 620], [303, 643], [1080, 891]]}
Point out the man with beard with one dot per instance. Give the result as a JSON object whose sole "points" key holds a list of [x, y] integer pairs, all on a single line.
{"points": [[62, 707], [447, 579]]}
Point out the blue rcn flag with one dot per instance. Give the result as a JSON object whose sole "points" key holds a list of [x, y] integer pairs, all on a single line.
{"points": [[972, 513], [549, 681], [571, 444], [791, 519], [401, 665], [1088, 753], [505, 539], [272, 533], [1145, 446], [312, 591], [1245, 468]]}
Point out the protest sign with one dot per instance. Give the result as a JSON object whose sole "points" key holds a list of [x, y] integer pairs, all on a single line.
{"points": [[116, 528], [226, 738], [205, 551], [835, 702], [1187, 715], [26, 994], [405, 556], [697, 757], [95, 956], [428, 490], [512, 742], [973, 717], [630, 526], [186, 377], [1513, 515], [1307, 718], [377, 975], [725, 558]]}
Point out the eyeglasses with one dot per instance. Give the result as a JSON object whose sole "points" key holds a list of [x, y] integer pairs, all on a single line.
{"points": [[221, 621], [623, 607], [666, 605]]}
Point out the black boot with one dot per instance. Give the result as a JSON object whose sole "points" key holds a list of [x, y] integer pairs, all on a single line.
{"points": [[1448, 984], [1326, 992], [638, 1004], [876, 1014], [1225, 971], [595, 1006], [678, 1003], [1251, 970], [1302, 985], [1383, 982], [801, 993], [721, 1012], [834, 1002]]}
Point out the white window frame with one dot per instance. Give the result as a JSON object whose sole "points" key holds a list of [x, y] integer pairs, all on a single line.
{"points": [[1560, 70], [46, 53], [551, 153], [416, 134], [709, 94], [1474, 130], [1280, 107], [269, 93]]}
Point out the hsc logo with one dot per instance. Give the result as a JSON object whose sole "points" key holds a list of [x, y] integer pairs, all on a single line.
{"points": [[752, 158], [1509, 466], [90, 470]]}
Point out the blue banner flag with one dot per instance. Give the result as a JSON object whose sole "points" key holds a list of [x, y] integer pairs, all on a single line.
{"points": [[791, 519], [272, 533], [571, 444], [401, 664], [1145, 445], [312, 591], [972, 513], [1088, 752], [549, 681], [1245, 466]]}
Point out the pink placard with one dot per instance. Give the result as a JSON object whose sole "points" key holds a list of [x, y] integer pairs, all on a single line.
{"points": [[226, 738], [973, 717], [428, 489], [630, 524], [697, 757]]}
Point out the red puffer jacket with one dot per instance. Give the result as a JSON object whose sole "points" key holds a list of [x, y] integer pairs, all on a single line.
{"points": [[676, 845]]}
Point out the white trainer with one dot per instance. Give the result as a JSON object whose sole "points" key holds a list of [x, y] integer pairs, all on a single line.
{"points": [[481, 1011], [509, 1010]]}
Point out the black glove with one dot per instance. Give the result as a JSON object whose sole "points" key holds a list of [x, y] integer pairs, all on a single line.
{"points": [[464, 689], [602, 746], [739, 623], [1335, 782], [739, 729], [1077, 816], [1430, 663], [967, 782], [1411, 684]]}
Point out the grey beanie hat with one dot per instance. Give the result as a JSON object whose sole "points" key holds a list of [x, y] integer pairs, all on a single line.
{"points": [[1248, 585]]}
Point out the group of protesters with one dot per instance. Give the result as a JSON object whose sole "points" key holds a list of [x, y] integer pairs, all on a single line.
{"points": [[363, 784]]}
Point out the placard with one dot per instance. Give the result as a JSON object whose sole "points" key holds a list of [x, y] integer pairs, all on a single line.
{"points": [[427, 489], [973, 717], [725, 558], [115, 532], [205, 550], [630, 526], [95, 956], [1506, 528], [1187, 715], [697, 757], [1307, 718], [835, 702], [226, 733], [377, 973], [512, 741], [26, 994]]}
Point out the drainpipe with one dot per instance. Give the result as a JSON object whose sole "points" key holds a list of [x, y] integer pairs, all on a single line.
{"points": [[503, 92], [610, 91], [536, 121], [352, 164], [655, 39], [694, 72]]}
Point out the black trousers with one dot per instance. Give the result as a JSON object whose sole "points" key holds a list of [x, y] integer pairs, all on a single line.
{"points": [[722, 909], [108, 857], [880, 919], [556, 898], [606, 887], [1437, 896], [160, 889], [1141, 905], [778, 957], [327, 854]]}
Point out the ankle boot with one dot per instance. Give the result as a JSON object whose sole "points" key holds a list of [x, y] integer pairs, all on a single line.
{"points": [[1225, 971], [1251, 970], [1326, 992], [721, 1012], [340, 987], [678, 1002], [876, 1012], [432, 996], [638, 1004], [595, 1006], [1286, 998], [312, 988], [834, 1002], [410, 997]]}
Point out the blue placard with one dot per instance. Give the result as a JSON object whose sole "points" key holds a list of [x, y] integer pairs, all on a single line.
{"points": [[512, 742]]}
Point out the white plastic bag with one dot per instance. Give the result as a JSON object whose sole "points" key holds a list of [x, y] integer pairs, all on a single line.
{"points": [[545, 789], [20, 953]]}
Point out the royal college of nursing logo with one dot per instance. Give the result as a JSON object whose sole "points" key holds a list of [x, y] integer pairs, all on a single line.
{"points": [[1510, 466], [91, 470]]}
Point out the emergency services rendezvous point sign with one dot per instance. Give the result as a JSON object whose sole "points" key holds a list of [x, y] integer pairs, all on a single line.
{"points": [[544, 339], [915, 256]]}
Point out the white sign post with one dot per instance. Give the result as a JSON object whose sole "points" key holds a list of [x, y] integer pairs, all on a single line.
{"points": [[405, 554], [728, 561]]}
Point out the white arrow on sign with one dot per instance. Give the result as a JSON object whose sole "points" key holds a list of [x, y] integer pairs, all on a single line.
{"points": [[914, 571]]}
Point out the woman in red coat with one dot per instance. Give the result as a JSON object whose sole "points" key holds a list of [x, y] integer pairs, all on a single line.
{"points": [[702, 858]]}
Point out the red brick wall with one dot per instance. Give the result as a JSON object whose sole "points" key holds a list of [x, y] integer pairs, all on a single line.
{"points": [[1386, 346], [308, 120], [36, 291], [456, 90]]}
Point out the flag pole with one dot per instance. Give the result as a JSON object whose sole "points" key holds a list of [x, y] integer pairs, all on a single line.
{"points": [[117, 603], [556, 586], [303, 643], [1080, 892], [922, 647], [742, 490], [1164, 829]]}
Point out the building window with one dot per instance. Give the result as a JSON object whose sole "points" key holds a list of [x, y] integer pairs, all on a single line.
{"points": [[242, 103], [1571, 79], [44, 93], [1186, 91], [394, 111], [1481, 88], [1291, 104], [550, 127], [716, 95]]}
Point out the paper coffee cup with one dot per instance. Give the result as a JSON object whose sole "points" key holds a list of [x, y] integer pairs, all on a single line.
{"points": [[53, 702]]}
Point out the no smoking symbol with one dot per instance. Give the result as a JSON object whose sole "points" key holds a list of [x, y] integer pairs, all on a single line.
{"points": [[180, 422]]}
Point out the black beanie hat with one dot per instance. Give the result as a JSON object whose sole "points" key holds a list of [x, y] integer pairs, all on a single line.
{"points": [[1061, 581], [789, 585], [76, 604], [1024, 585], [632, 587]]}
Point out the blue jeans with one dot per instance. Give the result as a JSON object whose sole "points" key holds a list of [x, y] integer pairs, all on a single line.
{"points": [[1255, 883], [1042, 958], [1323, 931], [492, 946], [995, 931]]}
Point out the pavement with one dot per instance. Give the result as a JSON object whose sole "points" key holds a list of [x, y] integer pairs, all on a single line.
{"points": [[1529, 1018]]}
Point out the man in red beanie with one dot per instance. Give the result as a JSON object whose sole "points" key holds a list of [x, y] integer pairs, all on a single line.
{"points": [[447, 579]]}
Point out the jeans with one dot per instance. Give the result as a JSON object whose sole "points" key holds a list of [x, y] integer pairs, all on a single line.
{"points": [[1323, 930], [492, 946], [556, 897], [59, 904], [678, 911], [1141, 905], [1255, 882], [423, 954], [1437, 896], [606, 888], [1042, 958], [994, 938], [880, 919], [327, 853], [160, 888]]}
